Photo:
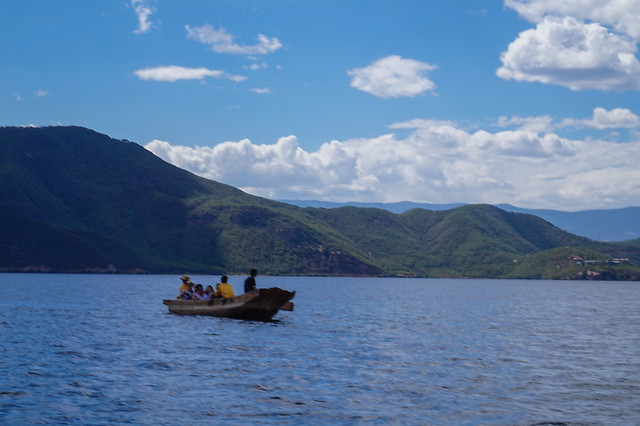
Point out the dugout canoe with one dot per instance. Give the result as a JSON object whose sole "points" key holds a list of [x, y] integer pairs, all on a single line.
{"points": [[259, 305]]}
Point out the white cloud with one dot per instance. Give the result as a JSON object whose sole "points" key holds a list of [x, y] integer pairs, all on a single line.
{"points": [[436, 162], [622, 15], [264, 90], [541, 124], [256, 67], [617, 118], [393, 77], [143, 11], [174, 73], [580, 44], [573, 54], [42, 93], [222, 42]]}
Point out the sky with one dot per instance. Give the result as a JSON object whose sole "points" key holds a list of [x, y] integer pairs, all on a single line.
{"points": [[535, 103]]}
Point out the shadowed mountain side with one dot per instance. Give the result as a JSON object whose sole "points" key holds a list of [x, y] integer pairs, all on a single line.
{"points": [[76, 200], [32, 246], [74, 179]]}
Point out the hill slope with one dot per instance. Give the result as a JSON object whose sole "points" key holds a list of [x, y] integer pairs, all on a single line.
{"points": [[77, 180], [621, 224], [603, 225], [75, 200], [478, 240]]}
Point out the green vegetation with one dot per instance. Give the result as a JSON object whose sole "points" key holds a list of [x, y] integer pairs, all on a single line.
{"points": [[73, 200], [576, 263]]}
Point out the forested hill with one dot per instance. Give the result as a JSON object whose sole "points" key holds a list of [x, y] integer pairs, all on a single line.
{"points": [[621, 224], [73, 200]]}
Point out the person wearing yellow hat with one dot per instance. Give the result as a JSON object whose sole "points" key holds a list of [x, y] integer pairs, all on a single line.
{"points": [[186, 289]]}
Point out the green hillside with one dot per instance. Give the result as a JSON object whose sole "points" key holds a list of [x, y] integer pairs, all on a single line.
{"points": [[471, 241], [74, 179], [74, 200]]}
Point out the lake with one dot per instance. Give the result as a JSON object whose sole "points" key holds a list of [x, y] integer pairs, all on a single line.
{"points": [[103, 349]]}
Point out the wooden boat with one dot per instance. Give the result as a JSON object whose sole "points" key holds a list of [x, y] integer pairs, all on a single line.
{"points": [[259, 305]]}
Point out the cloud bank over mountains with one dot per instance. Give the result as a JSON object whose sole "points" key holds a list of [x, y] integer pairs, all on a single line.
{"points": [[436, 161]]}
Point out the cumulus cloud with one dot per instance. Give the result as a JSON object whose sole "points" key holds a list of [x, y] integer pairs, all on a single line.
{"points": [[617, 118], [622, 15], [573, 54], [438, 162], [143, 11], [541, 124], [579, 44], [393, 77], [174, 73], [223, 42]]}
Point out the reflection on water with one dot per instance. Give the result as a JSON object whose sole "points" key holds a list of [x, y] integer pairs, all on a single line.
{"points": [[102, 349]]}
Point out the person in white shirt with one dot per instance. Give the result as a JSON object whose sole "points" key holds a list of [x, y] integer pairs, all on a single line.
{"points": [[199, 294]]}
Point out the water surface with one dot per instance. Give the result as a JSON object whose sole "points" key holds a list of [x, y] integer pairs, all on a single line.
{"points": [[98, 349]]}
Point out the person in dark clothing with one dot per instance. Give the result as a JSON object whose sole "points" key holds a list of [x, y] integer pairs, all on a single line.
{"points": [[250, 283]]}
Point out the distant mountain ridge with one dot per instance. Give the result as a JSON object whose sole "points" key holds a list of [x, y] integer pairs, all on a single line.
{"points": [[73, 200], [621, 224]]}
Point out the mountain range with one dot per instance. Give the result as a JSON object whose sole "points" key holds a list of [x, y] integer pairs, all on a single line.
{"points": [[74, 200], [621, 224]]}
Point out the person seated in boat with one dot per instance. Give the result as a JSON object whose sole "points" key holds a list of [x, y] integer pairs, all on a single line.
{"points": [[224, 289], [186, 289], [250, 283], [210, 291], [186, 283], [199, 294]]}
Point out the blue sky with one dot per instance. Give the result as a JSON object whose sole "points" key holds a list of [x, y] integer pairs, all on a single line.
{"points": [[529, 102]]}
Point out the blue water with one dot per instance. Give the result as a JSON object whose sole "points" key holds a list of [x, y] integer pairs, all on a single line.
{"points": [[102, 349]]}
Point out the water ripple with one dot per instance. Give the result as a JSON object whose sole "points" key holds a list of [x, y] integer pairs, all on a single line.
{"points": [[428, 352]]}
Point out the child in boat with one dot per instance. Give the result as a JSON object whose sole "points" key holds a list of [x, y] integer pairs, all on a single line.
{"points": [[224, 289], [210, 291], [200, 294]]}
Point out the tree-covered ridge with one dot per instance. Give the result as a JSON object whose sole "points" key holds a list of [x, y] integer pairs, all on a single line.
{"points": [[74, 200]]}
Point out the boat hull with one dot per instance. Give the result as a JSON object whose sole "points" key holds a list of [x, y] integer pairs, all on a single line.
{"points": [[260, 305]]}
